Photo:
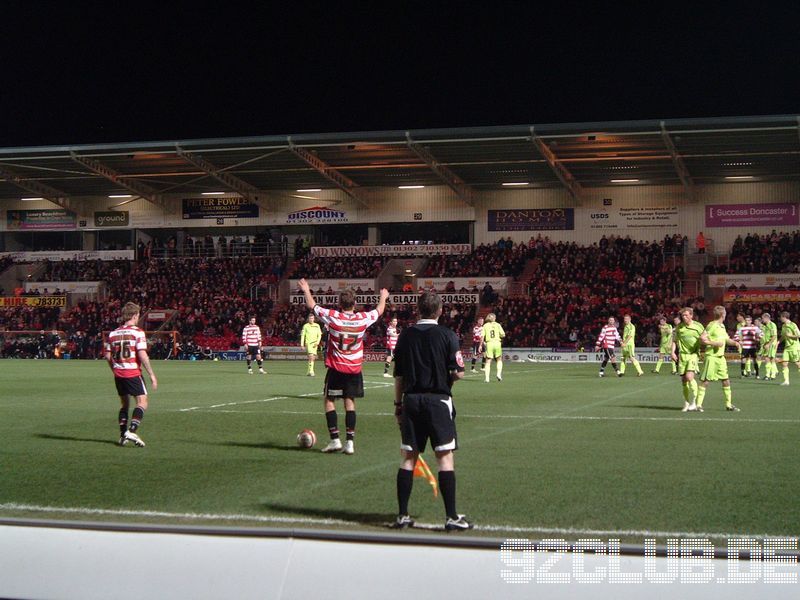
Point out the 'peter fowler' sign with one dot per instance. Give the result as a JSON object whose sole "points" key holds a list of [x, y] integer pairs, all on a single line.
{"points": [[216, 208]]}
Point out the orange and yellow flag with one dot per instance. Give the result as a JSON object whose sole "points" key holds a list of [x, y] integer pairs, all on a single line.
{"points": [[421, 469]]}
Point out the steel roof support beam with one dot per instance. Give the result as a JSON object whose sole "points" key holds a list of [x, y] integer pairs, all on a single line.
{"points": [[244, 189], [129, 183], [41, 190], [798, 127], [453, 181], [344, 183], [677, 161], [563, 174]]}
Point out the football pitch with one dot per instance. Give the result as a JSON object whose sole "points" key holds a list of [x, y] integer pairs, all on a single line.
{"points": [[552, 451]]}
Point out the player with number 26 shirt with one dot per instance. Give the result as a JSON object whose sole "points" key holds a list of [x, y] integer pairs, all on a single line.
{"points": [[126, 353]]}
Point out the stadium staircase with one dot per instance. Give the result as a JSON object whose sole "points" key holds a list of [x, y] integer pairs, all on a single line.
{"points": [[18, 273], [519, 288]]}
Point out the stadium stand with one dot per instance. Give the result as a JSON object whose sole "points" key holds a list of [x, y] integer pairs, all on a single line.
{"points": [[503, 259], [572, 290], [81, 270], [772, 253], [577, 287], [312, 267]]}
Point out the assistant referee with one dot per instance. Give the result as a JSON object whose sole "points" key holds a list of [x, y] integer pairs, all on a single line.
{"points": [[427, 363]]}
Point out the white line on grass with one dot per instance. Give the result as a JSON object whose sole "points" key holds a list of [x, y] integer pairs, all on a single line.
{"points": [[573, 531], [557, 417], [272, 399]]}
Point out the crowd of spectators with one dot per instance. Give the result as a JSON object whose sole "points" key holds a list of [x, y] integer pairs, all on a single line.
{"points": [[222, 246], [26, 318], [576, 288], [573, 291], [84, 270], [771, 253], [756, 309], [351, 267], [501, 259], [211, 296]]}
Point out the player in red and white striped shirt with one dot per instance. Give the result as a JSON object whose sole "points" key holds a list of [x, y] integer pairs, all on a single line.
{"points": [[392, 331], [344, 354], [251, 338], [126, 353], [477, 345], [608, 338], [749, 335]]}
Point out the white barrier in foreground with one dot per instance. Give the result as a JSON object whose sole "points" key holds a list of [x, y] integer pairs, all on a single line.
{"points": [[52, 562]]}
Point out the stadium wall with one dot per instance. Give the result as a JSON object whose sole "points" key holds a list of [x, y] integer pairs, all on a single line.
{"points": [[689, 217], [440, 203]]}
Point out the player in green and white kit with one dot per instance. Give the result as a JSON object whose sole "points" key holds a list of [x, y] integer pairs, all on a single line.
{"points": [[790, 335], [715, 367], [769, 346], [665, 347], [628, 347], [686, 341], [310, 337], [760, 352], [739, 324], [492, 335]]}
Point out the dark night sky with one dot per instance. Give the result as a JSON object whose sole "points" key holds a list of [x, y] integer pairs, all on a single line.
{"points": [[81, 72]]}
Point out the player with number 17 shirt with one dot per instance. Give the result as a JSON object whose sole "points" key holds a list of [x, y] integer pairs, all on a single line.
{"points": [[344, 354]]}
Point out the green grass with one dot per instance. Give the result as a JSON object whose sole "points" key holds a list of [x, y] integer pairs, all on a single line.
{"points": [[551, 447]]}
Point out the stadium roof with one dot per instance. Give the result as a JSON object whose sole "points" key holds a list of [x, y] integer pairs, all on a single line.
{"points": [[572, 155]]}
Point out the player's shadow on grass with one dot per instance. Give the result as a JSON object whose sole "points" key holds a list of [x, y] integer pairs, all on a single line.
{"points": [[67, 438], [651, 407], [261, 446], [374, 519]]}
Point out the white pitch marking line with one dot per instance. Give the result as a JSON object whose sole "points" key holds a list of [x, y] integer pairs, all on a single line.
{"points": [[562, 417], [379, 384], [312, 521], [233, 403]]}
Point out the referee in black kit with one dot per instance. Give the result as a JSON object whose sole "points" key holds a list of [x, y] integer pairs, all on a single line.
{"points": [[427, 363]]}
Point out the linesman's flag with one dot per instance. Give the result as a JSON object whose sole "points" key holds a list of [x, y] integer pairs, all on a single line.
{"points": [[421, 469]]}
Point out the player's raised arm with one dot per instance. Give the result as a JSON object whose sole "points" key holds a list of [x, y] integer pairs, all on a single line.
{"points": [[306, 289], [382, 302]]}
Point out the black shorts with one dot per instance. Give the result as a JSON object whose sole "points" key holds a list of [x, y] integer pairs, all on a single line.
{"points": [[130, 386], [428, 416], [343, 385], [476, 349], [253, 351], [608, 353], [749, 352]]}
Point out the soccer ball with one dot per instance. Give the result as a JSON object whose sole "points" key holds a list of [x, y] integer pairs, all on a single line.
{"points": [[306, 439]]}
